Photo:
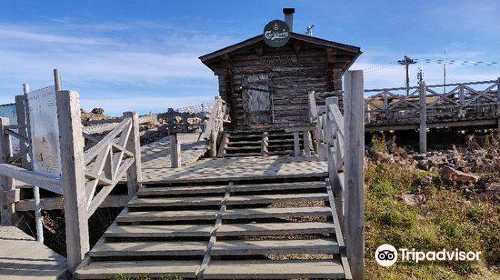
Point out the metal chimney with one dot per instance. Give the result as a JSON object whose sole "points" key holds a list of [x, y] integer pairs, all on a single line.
{"points": [[289, 16]]}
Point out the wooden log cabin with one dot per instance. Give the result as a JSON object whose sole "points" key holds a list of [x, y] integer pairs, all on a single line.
{"points": [[266, 87]]}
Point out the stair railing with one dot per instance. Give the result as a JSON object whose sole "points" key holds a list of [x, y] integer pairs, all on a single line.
{"points": [[215, 125], [340, 141]]}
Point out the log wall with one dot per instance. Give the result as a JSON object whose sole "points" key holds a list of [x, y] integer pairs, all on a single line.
{"points": [[284, 77]]}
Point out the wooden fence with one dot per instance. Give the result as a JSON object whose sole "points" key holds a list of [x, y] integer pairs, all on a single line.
{"points": [[182, 120], [474, 100], [340, 141], [89, 172], [462, 104]]}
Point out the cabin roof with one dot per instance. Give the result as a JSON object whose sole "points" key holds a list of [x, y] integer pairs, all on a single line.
{"points": [[356, 51]]}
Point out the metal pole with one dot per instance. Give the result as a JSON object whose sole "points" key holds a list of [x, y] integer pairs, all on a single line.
{"points": [[57, 79]]}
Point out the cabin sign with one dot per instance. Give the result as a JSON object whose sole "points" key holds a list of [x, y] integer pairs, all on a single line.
{"points": [[44, 131], [276, 33]]}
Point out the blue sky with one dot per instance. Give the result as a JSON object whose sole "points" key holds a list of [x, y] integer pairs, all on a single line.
{"points": [[143, 55]]}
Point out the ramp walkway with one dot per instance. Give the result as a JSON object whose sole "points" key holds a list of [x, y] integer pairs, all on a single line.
{"points": [[22, 257]]}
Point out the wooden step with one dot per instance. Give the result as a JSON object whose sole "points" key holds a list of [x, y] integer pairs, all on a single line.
{"points": [[166, 190], [188, 190], [245, 142], [234, 148], [142, 249], [157, 216], [153, 231], [268, 247], [273, 141], [275, 229], [233, 200], [156, 268], [268, 269], [179, 201], [272, 198], [242, 154], [276, 212], [240, 136]]}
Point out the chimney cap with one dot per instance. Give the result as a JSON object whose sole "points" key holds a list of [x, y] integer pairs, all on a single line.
{"points": [[287, 11]]}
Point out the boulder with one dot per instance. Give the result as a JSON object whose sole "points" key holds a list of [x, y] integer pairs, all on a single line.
{"points": [[413, 199], [454, 175], [97, 111]]}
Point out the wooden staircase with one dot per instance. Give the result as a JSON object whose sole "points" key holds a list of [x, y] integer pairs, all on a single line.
{"points": [[227, 230], [258, 143]]}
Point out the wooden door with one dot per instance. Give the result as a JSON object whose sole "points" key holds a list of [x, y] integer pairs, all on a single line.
{"points": [[257, 99]]}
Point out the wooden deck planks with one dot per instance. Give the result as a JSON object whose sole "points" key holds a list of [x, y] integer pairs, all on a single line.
{"points": [[274, 229], [234, 200], [174, 240], [158, 216], [267, 269], [238, 168], [106, 270], [276, 212], [154, 231], [21, 257], [310, 246], [137, 249]]}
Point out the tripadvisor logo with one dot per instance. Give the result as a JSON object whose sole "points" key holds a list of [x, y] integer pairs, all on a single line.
{"points": [[386, 255]]}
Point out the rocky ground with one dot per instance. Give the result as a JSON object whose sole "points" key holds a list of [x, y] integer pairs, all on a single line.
{"points": [[429, 201], [473, 168]]}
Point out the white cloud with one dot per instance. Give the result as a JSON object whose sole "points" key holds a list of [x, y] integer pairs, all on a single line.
{"points": [[15, 33]]}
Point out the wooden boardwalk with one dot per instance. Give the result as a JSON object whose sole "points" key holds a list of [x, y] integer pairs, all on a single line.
{"points": [[238, 168], [156, 155], [21, 257]]}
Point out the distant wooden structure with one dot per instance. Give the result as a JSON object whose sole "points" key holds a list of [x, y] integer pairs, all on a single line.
{"points": [[473, 105], [266, 88]]}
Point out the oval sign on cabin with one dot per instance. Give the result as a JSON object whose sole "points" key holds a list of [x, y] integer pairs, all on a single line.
{"points": [[276, 33]]}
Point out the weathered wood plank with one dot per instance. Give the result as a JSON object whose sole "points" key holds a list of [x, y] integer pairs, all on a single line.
{"points": [[153, 231], [167, 216], [274, 229], [354, 175], [73, 176], [310, 246], [267, 269], [276, 212], [141, 249], [106, 270]]}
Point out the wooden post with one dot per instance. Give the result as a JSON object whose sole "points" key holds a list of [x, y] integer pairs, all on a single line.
{"points": [[21, 110], [134, 173], [423, 119], [175, 151], [73, 177], [354, 175], [307, 143], [22, 119], [213, 143], [264, 149], [296, 143], [7, 210]]}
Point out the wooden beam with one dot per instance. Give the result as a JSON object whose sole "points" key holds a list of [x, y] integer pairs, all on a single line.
{"points": [[6, 180], [422, 131], [73, 177], [134, 173], [296, 143], [354, 175], [175, 151]]}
